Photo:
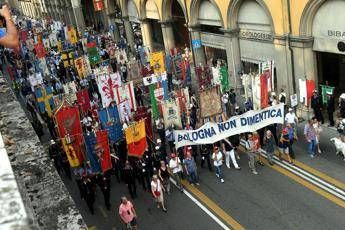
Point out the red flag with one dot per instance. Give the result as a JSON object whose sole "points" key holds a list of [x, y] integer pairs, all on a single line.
{"points": [[102, 148], [264, 89], [69, 127], [310, 89], [40, 51], [143, 113], [83, 100], [23, 35], [136, 139]]}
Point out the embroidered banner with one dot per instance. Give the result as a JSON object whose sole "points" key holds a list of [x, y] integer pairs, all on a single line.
{"points": [[210, 97]]}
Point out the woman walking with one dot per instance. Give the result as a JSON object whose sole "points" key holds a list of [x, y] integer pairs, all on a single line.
{"points": [[164, 176], [157, 191], [284, 145]]}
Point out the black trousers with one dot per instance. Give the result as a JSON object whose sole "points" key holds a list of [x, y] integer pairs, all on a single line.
{"points": [[132, 188], [330, 117], [318, 115], [206, 158]]}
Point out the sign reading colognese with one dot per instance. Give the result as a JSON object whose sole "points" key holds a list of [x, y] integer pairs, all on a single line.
{"points": [[250, 121]]}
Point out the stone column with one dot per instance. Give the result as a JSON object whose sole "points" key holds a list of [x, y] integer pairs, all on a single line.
{"points": [[199, 53], [78, 14], [233, 57], [168, 36], [146, 32], [129, 34]]}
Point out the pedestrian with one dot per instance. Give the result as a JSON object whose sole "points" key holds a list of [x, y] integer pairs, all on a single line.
{"points": [[65, 164], [139, 95], [284, 143], [269, 146], [291, 118], [164, 176], [232, 100], [252, 151], [318, 130], [282, 96], [229, 152], [225, 101], [169, 134], [124, 73], [310, 136], [330, 108], [292, 138], [316, 105], [157, 191], [342, 105], [191, 169], [55, 155], [217, 158], [104, 183], [205, 151], [88, 192], [176, 169], [129, 178], [128, 214]]}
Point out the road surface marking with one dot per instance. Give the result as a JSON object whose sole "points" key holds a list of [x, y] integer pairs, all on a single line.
{"points": [[92, 228], [211, 205], [307, 184], [104, 213]]}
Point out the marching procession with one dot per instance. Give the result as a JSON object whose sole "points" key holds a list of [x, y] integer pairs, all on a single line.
{"points": [[152, 119]]}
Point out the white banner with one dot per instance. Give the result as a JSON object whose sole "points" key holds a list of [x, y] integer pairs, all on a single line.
{"points": [[248, 122], [154, 78]]}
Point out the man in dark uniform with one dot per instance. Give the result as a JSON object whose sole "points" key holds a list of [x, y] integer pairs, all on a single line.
{"points": [[316, 105], [55, 155], [129, 178], [88, 193], [330, 108]]}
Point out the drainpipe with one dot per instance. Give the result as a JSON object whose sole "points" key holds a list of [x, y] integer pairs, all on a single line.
{"points": [[289, 46]]}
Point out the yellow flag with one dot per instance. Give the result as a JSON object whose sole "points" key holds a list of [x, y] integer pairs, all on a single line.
{"points": [[79, 65], [71, 154], [72, 35], [157, 62], [136, 132], [59, 46]]}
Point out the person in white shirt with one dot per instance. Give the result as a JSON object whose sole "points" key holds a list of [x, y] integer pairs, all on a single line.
{"points": [[157, 191], [225, 101], [176, 168], [217, 158], [291, 118]]}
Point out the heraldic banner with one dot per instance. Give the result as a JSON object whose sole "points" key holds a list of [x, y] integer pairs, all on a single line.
{"points": [[91, 153], [210, 97], [143, 113], [45, 101], [110, 120], [69, 129], [171, 114], [107, 85], [83, 100], [157, 62], [136, 139]]}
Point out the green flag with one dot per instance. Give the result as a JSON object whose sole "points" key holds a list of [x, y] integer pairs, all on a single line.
{"points": [[224, 78], [326, 89], [94, 57], [154, 104]]}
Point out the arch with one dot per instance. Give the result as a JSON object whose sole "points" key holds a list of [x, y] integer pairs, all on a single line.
{"points": [[195, 7], [234, 9], [166, 9], [144, 5], [124, 7], [309, 12]]}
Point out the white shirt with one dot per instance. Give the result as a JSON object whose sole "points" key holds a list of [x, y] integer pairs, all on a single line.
{"points": [[87, 121], [175, 165], [290, 118], [217, 158], [156, 186]]}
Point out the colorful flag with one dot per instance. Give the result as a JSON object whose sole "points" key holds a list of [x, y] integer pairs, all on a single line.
{"points": [[125, 92], [91, 153], [69, 127], [144, 54], [67, 58], [224, 78], [171, 114], [72, 35], [183, 100], [121, 56], [303, 91], [110, 121], [44, 97], [157, 62], [264, 89], [23, 35], [107, 85], [143, 113], [70, 89], [40, 51], [204, 76], [133, 70], [154, 105], [102, 150], [80, 66], [92, 51], [310, 89], [71, 153], [125, 111], [53, 40], [325, 90], [216, 75], [83, 100], [98, 5], [136, 139]]}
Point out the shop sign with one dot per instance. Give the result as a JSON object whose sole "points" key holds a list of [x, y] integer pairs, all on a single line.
{"points": [[256, 35], [196, 44], [213, 40]]}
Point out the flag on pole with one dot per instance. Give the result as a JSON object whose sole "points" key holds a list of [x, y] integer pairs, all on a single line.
{"points": [[154, 105], [91, 153], [136, 139], [125, 92], [102, 150], [110, 121], [83, 100], [93, 53], [310, 89], [264, 89], [157, 62], [325, 90], [44, 97], [171, 114], [224, 78]]}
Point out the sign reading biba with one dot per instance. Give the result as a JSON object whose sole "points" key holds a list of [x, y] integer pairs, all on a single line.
{"points": [[248, 122]]}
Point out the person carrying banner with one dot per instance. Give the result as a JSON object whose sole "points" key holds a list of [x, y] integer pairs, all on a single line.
{"points": [[217, 158], [229, 151], [252, 151]]}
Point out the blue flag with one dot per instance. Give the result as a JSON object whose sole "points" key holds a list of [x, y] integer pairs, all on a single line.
{"points": [[90, 142], [110, 120]]}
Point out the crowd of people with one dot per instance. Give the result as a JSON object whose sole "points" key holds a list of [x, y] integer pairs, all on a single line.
{"points": [[161, 161]]}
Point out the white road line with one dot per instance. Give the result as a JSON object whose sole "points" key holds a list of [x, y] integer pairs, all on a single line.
{"points": [[206, 210]]}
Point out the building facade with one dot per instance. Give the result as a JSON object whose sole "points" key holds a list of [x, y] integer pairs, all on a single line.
{"points": [[304, 38]]}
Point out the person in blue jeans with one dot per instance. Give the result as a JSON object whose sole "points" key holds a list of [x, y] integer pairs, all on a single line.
{"points": [[191, 169], [310, 136], [217, 158]]}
